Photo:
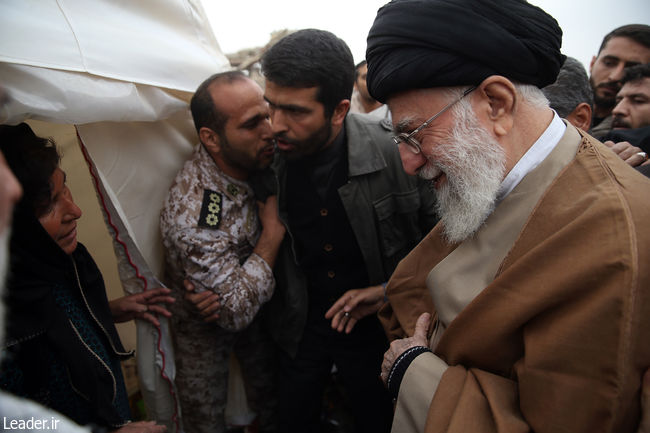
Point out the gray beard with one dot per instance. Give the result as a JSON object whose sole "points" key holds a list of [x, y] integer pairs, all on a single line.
{"points": [[4, 266], [474, 164]]}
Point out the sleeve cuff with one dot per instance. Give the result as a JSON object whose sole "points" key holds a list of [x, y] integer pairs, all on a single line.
{"points": [[400, 366]]}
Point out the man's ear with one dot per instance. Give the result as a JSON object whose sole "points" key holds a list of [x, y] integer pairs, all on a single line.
{"points": [[210, 140], [338, 116], [498, 103], [580, 117]]}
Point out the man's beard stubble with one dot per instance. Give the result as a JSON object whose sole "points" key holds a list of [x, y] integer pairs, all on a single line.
{"points": [[474, 165], [604, 102], [310, 145]]}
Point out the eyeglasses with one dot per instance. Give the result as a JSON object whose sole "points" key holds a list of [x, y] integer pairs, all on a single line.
{"points": [[410, 140]]}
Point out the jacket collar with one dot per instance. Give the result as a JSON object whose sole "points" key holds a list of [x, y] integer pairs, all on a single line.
{"points": [[364, 155], [236, 190]]}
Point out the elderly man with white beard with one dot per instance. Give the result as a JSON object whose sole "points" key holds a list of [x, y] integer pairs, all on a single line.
{"points": [[526, 308]]}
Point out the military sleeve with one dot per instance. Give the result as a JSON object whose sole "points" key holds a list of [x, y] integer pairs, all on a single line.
{"points": [[209, 261]]}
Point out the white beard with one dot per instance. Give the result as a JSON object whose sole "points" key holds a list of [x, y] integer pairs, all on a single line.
{"points": [[474, 164], [4, 266]]}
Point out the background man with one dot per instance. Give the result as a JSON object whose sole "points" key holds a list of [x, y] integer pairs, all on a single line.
{"points": [[632, 112], [213, 238], [361, 101], [572, 98], [351, 214], [536, 271], [571, 95], [632, 108], [623, 47]]}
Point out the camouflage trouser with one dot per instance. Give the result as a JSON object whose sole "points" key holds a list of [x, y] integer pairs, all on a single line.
{"points": [[202, 354]]}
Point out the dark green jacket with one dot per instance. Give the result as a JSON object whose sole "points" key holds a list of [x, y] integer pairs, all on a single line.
{"points": [[389, 212]]}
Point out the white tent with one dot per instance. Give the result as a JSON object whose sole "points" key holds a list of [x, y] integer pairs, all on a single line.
{"points": [[122, 73]]}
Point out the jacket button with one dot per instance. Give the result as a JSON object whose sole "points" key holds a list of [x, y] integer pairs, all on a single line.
{"points": [[331, 274], [328, 247], [323, 212]]}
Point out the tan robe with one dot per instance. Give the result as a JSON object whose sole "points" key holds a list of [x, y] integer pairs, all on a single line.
{"points": [[545, 325]]}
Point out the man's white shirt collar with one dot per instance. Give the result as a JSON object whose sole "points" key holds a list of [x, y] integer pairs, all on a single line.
{"points": [[533, 157]]}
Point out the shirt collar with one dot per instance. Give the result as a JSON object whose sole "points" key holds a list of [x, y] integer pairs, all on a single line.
{"points": [[236, 190], [533, 157]]}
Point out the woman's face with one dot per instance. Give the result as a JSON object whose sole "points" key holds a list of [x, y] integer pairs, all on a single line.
{"points": [[60, 219]]}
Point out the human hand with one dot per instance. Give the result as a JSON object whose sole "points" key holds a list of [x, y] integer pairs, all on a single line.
{"points": [[142, 306], [354, 305], [632, 155], [397, 347], [269, 217], [206, 302], [142, 427], [644, 426]]}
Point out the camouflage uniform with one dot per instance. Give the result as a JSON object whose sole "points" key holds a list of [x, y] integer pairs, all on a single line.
{"points": [[209, 228]]}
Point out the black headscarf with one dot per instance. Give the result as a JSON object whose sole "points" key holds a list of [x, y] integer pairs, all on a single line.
{"points": [[36, 324], [437, 43]]}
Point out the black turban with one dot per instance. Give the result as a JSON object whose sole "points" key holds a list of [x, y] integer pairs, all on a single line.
{"points": [[417, 44]]}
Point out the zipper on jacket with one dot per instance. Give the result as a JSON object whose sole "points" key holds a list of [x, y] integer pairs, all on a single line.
{"points": [[101, 361], [83, 296]]}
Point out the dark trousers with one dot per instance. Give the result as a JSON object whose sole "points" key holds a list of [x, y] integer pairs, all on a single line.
{"points": [[357, 356]]}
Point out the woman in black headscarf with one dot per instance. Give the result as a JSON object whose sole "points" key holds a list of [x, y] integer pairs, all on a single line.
{"points": [[62, 349]]}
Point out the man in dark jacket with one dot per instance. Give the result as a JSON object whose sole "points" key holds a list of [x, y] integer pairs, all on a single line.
{"points": [[351, 214]]}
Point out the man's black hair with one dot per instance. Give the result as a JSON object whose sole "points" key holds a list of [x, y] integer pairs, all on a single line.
{"points": [[312, 58], [636, 73], [356, 69], [570, 89], [639, 33]]}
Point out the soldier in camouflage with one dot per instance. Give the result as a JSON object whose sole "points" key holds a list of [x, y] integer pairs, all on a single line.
{"points": [[216, 237]]}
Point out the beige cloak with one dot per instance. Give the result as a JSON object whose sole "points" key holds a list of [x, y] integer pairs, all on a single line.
{"points": [[559, 337]]}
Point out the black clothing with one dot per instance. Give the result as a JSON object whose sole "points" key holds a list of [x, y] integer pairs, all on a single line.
{"points": [[639, 137], [62, 347], [415, 44], [388, 212], [331, 259]]}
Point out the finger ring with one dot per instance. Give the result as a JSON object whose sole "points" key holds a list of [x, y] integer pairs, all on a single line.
{"points": [[644, 155], [346, 314]]}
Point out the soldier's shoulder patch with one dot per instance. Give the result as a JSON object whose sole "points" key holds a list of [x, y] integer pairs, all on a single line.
{"points": [[210, 216]]}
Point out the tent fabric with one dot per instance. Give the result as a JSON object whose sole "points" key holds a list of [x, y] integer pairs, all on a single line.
{"points": [[80, 98], [123, 72], [165, 43]]}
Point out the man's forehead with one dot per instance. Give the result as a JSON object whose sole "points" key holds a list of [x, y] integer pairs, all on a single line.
{"points": [[635, 87], [237, 95], [412, 107], [281, 95], [626, 49]]}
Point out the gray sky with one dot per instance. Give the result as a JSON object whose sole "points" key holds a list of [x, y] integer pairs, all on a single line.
{"points": [[245, 24]]}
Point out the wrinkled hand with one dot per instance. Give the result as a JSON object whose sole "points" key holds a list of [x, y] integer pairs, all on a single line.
{"points": [[397, 347], [357, 303], [142, 427], [644, 427], [142, 306], [627, 152], [206, 302]]}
